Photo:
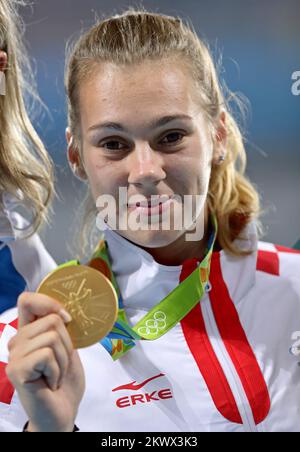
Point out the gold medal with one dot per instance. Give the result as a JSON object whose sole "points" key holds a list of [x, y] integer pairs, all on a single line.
{"points": [[89, 297]]}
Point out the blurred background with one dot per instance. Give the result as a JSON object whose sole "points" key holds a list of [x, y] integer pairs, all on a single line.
{"points": [[260, 44]]}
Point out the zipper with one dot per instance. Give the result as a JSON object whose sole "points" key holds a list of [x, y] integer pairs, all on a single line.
{"points": [[227, 365]]}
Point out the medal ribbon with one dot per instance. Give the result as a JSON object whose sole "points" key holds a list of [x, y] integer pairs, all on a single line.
{"points": [[164, 316]]}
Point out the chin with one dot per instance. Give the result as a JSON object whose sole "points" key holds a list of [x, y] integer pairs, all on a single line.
{"points": [[152, 239]]}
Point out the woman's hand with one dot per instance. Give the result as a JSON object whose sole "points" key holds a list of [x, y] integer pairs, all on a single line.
{"points": [[43, 365]]}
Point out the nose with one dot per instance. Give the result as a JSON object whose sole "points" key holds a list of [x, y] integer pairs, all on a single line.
{"points": [[145, 167]]}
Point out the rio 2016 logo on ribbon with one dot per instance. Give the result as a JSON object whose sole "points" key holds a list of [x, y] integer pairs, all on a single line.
{"points": [[154, 326]]}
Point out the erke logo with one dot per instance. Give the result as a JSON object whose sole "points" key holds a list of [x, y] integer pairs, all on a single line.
{"points": [[132, 400], [296, 85]]}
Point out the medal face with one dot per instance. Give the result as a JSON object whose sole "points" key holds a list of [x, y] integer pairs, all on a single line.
{"points": [[89, 297]]}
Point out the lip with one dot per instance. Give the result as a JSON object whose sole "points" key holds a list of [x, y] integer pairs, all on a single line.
{"points": [[152, 210]]}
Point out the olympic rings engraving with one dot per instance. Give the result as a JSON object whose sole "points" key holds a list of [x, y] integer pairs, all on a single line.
{"points": [[154, 326]]}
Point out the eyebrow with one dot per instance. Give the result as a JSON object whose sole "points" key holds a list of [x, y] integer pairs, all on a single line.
{"points": [[154, 124]]}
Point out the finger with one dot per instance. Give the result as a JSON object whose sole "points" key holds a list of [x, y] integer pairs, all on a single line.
{"points": [[33, 368], [51, 340], [34, 305], [51, 322]]}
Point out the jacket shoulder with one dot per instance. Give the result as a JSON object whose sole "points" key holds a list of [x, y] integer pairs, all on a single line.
{"points": [[278, 260]]}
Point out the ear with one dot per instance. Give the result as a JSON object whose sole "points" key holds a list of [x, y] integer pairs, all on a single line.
{"points": [[221, 134], [74, 158], [3, 61]]}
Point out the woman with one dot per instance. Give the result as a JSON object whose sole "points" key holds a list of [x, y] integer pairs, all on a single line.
{"points": [[26, 172], [146, 113]]}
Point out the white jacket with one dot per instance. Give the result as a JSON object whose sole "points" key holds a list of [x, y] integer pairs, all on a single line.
{"points": [[226, 367]]}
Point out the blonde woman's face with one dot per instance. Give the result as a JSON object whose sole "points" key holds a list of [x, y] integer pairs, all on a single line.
{"points": [[142, 130]]}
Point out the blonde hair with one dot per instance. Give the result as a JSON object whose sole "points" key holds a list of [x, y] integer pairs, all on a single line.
{"points": [[136, 36], [26, 169]]}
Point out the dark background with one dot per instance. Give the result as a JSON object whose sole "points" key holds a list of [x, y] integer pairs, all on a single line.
{"points": [[260, 43]]}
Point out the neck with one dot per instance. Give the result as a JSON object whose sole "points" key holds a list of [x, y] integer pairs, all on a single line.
{"points": [[180, 250]]}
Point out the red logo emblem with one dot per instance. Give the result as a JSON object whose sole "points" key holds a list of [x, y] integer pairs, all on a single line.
{"points": [[132, 400], [135, 387]]}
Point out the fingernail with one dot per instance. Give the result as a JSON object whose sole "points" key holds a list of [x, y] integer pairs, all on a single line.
{"points": [[65, 316]]}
